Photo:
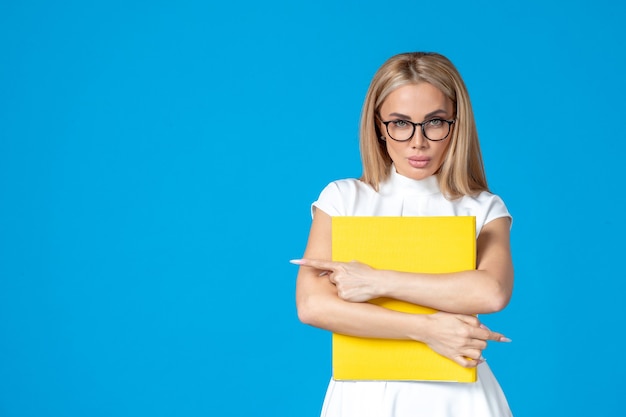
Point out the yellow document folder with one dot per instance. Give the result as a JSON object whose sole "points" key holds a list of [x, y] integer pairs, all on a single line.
{"points": [[409, 244]]}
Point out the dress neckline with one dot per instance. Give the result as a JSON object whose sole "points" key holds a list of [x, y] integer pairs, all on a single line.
{"points": [[398, 182]]}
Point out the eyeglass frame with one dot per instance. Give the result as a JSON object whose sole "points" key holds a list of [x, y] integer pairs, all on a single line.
{"points": [[421, 125]]}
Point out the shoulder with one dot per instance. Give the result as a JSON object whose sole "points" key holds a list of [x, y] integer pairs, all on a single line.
{"points": [[486, 206], [337, 197]]}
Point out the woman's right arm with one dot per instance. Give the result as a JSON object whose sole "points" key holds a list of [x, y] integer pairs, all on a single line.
{"points": [[458, 337], [319, 305]]}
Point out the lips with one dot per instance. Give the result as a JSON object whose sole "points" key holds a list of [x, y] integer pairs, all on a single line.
{"points": [[418, 161]]}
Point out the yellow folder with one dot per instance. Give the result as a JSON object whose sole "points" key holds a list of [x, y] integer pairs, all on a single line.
{"points": [[410, 244]]}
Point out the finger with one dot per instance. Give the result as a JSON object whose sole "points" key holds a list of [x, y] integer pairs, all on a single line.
{"points": [[468, 362], [473, 354], [498, 337], [315, 263], [471, 320], [478, 344]]}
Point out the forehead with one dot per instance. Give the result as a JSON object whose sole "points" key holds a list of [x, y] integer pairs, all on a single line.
{"points": [[416, 99]]}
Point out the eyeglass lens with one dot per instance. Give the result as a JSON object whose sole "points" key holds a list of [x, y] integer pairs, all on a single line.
{"points": [[436, 129]]}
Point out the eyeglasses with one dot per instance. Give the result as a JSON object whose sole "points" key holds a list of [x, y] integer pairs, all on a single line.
{"points": [[433, 129]]}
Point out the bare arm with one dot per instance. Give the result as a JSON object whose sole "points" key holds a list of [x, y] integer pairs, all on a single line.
{"points": [[484, 290], [459, 337], [320, 306]]}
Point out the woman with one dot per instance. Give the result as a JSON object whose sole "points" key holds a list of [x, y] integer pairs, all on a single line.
{"points": [[421, 157]]}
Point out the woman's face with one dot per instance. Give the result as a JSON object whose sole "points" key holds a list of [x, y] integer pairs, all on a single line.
{"points": [[418, 157]]}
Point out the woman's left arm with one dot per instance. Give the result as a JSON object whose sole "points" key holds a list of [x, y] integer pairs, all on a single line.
{"points": [[486, 289]]}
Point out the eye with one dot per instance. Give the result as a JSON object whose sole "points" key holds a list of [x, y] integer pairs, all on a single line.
{"points": [[435, 123], [401, 124]]}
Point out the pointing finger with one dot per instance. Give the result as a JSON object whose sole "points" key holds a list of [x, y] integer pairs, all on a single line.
{"points": [[315, 263], [495, 336]]}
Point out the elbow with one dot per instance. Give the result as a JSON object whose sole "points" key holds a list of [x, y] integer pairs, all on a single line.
{"points": [[308, 311], [495, 292], [304, 315], [498, 303], [497, 300]]}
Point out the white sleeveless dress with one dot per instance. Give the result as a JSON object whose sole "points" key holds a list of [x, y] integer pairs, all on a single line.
{"points": [[402, 196]]}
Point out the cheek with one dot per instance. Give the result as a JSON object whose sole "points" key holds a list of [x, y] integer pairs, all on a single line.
{"points": [[442, 152], [391, 148]]}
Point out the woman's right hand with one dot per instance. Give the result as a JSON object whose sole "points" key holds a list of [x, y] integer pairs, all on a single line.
{"points": [[459, 337]]}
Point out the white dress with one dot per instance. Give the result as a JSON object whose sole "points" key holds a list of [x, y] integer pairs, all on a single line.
{"points": [[402, 196]]}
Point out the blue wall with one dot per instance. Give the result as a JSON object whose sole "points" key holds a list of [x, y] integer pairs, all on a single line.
{"points": [[157, 163]]}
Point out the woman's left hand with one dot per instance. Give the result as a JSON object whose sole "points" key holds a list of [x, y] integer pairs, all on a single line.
{"points": [[355, 281]]}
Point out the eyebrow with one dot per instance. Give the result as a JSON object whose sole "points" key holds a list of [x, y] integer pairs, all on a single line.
{"points": [[431, 114]]}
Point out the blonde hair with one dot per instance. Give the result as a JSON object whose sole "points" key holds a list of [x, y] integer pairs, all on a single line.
{"points": [[462, 171]]}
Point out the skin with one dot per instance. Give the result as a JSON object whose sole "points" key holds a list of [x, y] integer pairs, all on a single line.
{"points": [[331, 295], [416, 103]]}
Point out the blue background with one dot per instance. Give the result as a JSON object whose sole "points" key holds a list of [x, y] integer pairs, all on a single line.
{"points": [[158, 160]]}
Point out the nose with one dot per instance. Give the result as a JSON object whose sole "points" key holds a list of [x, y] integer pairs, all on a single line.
{"points": [[418, 141]]}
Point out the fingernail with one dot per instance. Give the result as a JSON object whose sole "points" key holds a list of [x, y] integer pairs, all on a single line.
{"points": [[505, 339], [323, 273], [297, 261]]}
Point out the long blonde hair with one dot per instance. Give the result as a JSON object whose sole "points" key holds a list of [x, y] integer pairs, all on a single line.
{"points": [[462, 171]]}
